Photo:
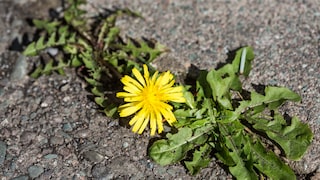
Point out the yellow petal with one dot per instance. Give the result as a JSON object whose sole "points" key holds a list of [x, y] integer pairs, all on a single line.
{"points": [[134, 99], [139, 77], [164, 79], [169, 116], [129, 80], [159, 123], [125, 95], [138, 124], [146, 73], [132, 89], [144, 124], [134, 120], [154, 77], [153, 123], [129, 109]]}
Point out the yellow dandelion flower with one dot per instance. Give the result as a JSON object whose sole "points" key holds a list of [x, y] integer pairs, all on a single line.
{"points": [[147, 97]]}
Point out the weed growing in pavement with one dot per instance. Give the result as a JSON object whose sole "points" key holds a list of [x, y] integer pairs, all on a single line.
{"points": [[213, 117]]}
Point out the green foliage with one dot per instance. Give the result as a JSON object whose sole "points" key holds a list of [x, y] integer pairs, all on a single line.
{"points": [[217, 120], [95, 48]]}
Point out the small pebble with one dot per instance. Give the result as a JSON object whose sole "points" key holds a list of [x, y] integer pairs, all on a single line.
{"points": [[24, 118], [27, 136], [99, 171], [66, 99], [93, 156], [125, 144], [44, 104], [51, 156], [83, 133], [55, 140], [33, 115], [67, 127], [150, 165], [52, 51], [65, 87], [57, 120], [35, 171], [66, 136]]}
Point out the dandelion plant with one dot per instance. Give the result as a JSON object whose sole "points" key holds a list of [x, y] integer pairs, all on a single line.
{"points": [[213, 117]]}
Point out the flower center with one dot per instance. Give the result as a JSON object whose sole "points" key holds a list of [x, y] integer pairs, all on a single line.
{"points": [[151, 95]]}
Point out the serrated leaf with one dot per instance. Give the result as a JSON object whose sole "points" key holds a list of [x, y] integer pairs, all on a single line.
{"points": [[75, 61], [48, 67], [141, 50], [111, 36], [293, 138], [30, 50], [62, 38], [174, 149], [93, 82], [274, 97], [111, 110], [37, 72], [88, 61], [200, 159], [96, 91], [177, 145], [61, 71], [52, 39], [100, 101], [50, 27], [40, 43], [238, 144], [70, 49]]}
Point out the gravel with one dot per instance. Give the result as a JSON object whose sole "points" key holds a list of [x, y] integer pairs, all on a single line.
{"points": [[3, 151], [49, 129]]}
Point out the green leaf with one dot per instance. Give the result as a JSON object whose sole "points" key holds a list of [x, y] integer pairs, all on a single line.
{"points": [[52, 40], [177, 145], [201, 158], [274, 97], [111, 110], [37, 72], [35, 47], [203, 88], [100, 101], [189, 99], [96, 91], [48, 67], [75, 61], [50, 27], [293, 138], [220, 87], [88, 61], [269, 164], [174, 149], [92, 82], [143, 51], [30, 50], [237, 144], [111, 37], [40, 43]]}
